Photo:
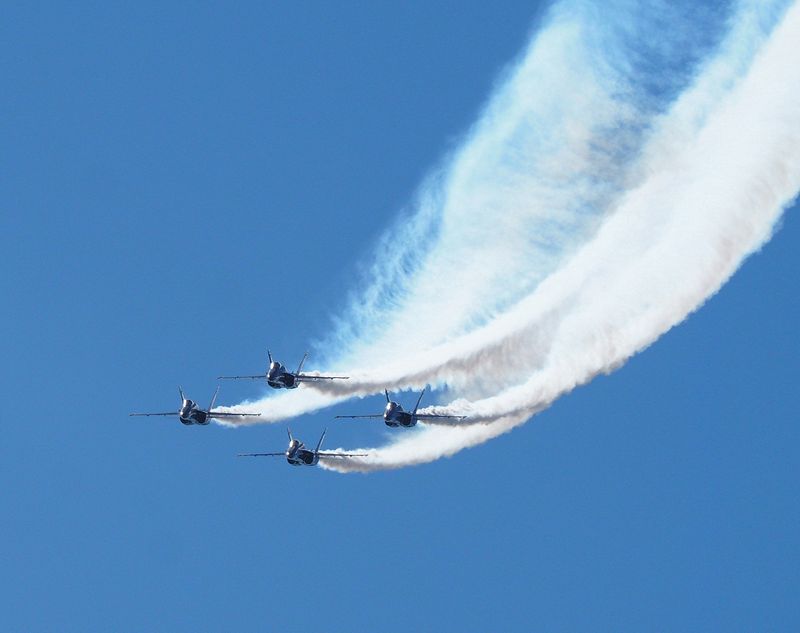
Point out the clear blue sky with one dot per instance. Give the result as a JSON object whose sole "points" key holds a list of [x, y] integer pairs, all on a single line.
{"points": [[183, 186]]}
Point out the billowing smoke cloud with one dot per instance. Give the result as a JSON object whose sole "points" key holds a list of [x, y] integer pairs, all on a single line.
{"points": [[611, 186]]}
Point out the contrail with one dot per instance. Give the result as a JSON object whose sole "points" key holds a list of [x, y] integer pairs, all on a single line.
{"points": [[584, 241]]}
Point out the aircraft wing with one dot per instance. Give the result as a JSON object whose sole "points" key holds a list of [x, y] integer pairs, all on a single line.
{"points": [[259, 377], [149, 414], [324, 454], [377, 415], [311, 378], [433, 416], [261, 455], [222, 414]]}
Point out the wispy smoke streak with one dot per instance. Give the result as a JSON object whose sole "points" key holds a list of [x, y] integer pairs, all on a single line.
{"points": [[567, 240]]}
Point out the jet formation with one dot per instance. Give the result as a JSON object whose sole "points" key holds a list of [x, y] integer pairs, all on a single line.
{"points": [[278, 377]]}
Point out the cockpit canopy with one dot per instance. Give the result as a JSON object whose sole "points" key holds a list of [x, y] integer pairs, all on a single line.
{"points": [[186, 408]]}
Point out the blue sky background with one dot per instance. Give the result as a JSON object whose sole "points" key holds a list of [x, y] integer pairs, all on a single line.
{"points": [[183, 186]]}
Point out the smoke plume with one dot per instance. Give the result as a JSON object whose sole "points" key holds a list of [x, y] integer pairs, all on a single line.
{"points": [[628, 163]]}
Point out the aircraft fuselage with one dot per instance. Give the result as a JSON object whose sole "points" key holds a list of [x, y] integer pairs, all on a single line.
{"points": [[394, 415], [278, 377], [190, 413], [298, 455]]}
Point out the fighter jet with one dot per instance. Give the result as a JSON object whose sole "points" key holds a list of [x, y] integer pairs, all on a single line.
{"points": [[278, 377], [190, 413], [394, 415], [297, 455]]}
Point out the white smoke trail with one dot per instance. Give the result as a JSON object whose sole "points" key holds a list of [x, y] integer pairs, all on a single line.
{"points": [[718, 201], [549, 159], [675, 223]]}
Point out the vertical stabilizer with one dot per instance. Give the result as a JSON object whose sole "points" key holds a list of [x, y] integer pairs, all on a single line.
{"points": [[416, 406], [319, 444], [213, 399], [302, 362]]}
